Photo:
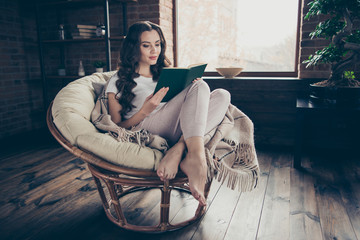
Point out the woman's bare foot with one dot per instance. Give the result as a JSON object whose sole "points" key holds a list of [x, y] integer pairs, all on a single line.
{"points": [[169, 164], [194, 166]]}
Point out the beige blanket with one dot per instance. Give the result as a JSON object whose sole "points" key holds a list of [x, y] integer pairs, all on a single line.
{"points": [[229, 148]]}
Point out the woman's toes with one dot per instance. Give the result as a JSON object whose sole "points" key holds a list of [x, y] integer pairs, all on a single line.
{"points": [[196, 196], [160, 174]]}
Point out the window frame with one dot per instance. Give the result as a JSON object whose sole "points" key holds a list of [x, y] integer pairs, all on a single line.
{"points": [[294, 73]]}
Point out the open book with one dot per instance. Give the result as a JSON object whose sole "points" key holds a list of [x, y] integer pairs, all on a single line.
{"points": [[177, 79]]}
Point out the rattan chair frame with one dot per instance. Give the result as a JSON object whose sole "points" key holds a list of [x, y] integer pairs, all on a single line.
{"points": [[121, 181]]}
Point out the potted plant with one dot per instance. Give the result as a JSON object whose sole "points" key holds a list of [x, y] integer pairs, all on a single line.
{"points": [[341, 25], [99, 66]]}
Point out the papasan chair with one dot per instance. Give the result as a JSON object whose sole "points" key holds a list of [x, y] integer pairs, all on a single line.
{"points": [[120, 168]]}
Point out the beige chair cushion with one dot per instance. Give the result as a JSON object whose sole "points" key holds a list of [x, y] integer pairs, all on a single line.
{"points": [[71, 112]]}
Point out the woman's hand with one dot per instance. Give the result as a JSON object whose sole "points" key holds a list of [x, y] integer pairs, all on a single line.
{"points": [[152, 101], [197, 79]]}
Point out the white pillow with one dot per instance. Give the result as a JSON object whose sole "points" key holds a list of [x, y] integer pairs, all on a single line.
{"points": [[71, 112]]}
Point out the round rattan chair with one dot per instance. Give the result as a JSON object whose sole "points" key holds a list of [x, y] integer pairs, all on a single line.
{"points": [[121, 181]]}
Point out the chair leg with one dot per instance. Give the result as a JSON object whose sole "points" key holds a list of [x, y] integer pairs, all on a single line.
{"points": [[101, 192], [115, 202], [116, 190], [165, 206]]}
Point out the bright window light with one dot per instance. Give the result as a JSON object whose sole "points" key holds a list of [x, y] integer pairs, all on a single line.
{"points": [[257, 35]]}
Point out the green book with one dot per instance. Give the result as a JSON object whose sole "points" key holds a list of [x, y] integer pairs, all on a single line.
{"points": [[177, 79]]}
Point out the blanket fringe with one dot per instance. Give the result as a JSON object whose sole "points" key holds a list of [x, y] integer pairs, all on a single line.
{"points": [[140, 137], [245, 180], [242, 173], [212, 165]]}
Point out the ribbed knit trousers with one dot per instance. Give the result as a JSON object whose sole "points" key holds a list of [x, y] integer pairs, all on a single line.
{"points": [[193, 112]]}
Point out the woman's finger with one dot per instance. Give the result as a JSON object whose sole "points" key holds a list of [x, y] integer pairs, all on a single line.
{"points": [[162, 91], [161, 94], [197, 79], [148, 97]]}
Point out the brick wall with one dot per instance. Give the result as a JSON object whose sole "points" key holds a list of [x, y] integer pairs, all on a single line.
{"points": [[166, 23], [20, 84], [309, 46]]}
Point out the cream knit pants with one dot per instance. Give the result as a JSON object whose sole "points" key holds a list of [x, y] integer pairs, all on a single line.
{"points": [[193, 112]]}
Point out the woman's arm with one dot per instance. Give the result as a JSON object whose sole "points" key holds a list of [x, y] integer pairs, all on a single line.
{"points": [[114, 111], [149, 105]]}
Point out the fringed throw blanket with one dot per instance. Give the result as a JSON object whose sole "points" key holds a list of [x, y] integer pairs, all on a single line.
{"points": [[229, 148], [230, 151], [101, 118]]}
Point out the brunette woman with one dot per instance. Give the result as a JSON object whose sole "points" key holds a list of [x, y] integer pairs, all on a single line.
{"points": [[183, 121]]}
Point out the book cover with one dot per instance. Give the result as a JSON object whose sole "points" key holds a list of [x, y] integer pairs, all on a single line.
{"points": [[177, 79]]}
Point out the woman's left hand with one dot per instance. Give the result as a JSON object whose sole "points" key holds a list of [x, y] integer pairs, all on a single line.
{"points": [[197, 79], [153, 100]]}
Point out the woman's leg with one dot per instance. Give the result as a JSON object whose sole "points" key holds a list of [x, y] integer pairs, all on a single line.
{"points": [[167, 123], [169, 164], [195, 167], [189, 114], [218, 105], [188, 108], [176, 118]]}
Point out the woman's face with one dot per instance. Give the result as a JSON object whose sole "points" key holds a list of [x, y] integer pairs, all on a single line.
{"points": [[150, 48]]}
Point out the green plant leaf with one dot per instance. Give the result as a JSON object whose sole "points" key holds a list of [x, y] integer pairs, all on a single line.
{"points": [[328, 28], [328, 54], [99, 64], [349, 75], [354, 37]]}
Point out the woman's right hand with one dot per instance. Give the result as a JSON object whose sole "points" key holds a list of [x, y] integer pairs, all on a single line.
{"points": [[152, 101]]}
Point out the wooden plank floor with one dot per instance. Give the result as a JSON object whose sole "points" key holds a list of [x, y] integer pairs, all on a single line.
{"points": [[46, 193]]}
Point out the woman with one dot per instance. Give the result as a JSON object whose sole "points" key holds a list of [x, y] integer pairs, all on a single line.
{"points": [[183, 121]]}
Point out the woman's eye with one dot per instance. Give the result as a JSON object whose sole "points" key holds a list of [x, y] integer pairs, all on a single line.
{"points": [[146, 46]]}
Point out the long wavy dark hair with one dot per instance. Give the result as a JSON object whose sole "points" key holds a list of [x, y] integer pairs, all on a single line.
{"points": [[129, 62]]}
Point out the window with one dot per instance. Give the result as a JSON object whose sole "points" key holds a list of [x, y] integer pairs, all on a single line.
{"points": [[260, 36]]}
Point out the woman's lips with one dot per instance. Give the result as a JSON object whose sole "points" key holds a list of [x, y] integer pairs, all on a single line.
{"points": [[153, 58]]}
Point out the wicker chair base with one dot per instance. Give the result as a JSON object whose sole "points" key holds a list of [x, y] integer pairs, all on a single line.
{"points": [[121, 181], [119, 186]]}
